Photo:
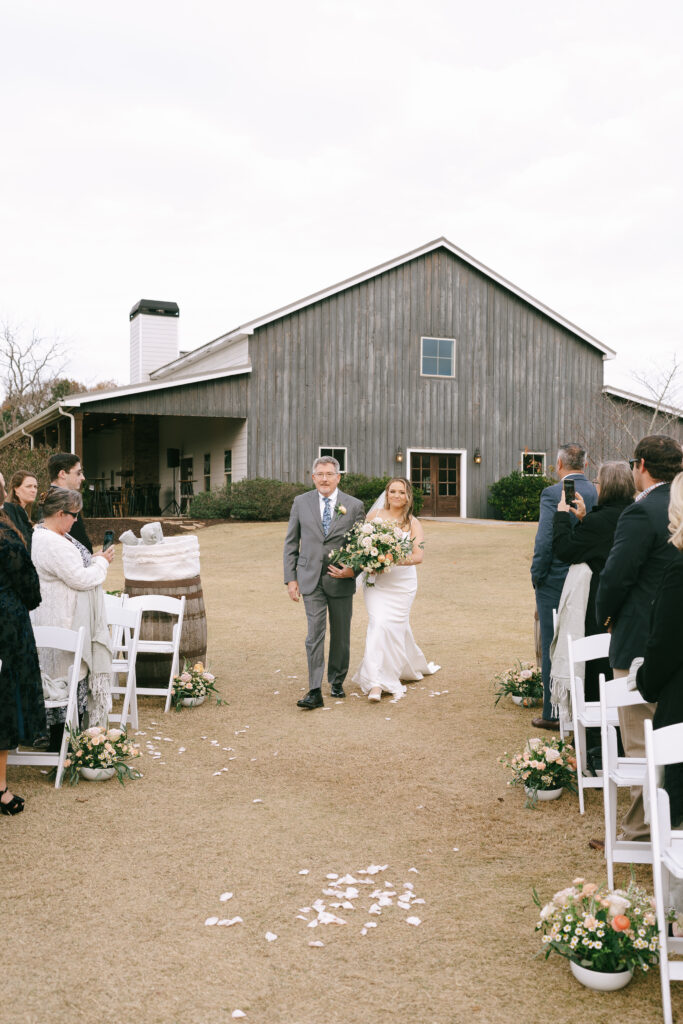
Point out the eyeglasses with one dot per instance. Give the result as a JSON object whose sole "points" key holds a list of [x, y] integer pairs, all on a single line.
{"points": [[632, 462]]}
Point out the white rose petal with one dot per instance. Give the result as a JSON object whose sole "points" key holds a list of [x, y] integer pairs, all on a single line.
{"points": [[211, 920], [238, 1013], [228, 922], [271, 936], [413, 920], [318, 943], [225, 897]]}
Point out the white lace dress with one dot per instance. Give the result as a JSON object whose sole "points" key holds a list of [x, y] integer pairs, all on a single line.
{"points": [[391, 653]]}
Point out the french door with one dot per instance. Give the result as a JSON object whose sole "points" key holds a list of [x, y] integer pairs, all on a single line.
{"points": [[438, 476]]}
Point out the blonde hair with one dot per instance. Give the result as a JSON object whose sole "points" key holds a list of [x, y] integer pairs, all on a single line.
{"points": [[676, 512]]}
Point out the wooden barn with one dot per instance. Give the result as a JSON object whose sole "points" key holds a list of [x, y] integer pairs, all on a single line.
{"points": [[430, 366]]}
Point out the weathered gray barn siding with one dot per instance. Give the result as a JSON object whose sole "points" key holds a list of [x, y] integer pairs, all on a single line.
{"points": [[227, 396], [345, 371]]}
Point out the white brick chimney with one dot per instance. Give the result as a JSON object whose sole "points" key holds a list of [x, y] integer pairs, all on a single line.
{"points": [[153, 337]]}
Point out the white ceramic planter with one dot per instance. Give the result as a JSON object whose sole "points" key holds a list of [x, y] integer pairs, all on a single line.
{"points": [[520, 701], [97, 774], [544, 794], [192, 702], [516, 699], [601, 981]]}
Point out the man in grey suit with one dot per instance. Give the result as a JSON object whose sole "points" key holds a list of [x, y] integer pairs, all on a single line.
{"points": [[317, 524], [549, 573]]}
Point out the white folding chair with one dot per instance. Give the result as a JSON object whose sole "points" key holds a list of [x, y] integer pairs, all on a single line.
{"points": [[173, 606], [57, 639], [616, 772], [585, 714], [124, 624], [664, 747]]}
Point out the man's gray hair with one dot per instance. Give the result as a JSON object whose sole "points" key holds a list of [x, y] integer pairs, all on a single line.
{"points": [[573, 456], [325, 460]]}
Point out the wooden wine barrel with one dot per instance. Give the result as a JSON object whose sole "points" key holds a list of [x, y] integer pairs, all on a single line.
{"points": [[153, 669]]}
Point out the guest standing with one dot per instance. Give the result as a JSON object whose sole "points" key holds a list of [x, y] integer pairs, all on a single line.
{"points": [[660, 677], [547, 571], [590, 541], [66, 471], [639, 558], [71, 585], [23, 488], [22, 709]]}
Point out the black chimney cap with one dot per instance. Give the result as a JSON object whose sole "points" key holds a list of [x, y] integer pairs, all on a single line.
{"points": [[153, 308]]}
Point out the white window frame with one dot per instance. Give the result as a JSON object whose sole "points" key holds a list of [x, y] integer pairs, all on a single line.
{"points": [[462, 452], [536, 456], [329, 449], [436, 376]]}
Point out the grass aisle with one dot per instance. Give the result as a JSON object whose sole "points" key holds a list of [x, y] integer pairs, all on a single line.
{"points": [[106, 889]]}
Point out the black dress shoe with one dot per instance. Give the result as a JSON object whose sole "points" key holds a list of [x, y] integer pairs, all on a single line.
{"points": [[313, 699], [546, 723], [337, 690]]}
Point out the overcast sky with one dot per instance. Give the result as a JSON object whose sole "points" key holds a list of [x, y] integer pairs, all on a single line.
{"points": [[234, 158]]}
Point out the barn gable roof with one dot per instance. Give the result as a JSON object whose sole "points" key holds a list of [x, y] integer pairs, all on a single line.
{"points": [[438, 243]]}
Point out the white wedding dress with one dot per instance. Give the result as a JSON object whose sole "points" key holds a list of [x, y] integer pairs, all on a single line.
{"points": [[391, 653]]}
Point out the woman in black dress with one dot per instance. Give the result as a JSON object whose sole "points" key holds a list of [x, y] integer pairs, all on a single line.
{"points": [[590, 540], [22, 708], [660, 677], [23, 488]]}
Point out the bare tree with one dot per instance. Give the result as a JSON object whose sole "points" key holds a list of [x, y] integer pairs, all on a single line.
{"points": [[29, 368], [622, 418]]}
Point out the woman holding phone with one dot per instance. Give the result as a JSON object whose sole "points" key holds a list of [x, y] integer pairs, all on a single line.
{"points": [[590, 541]]}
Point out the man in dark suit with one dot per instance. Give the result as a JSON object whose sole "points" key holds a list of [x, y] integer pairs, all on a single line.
{"points": [[317, 524], [65, 470], [640, 556], [547, 572]]}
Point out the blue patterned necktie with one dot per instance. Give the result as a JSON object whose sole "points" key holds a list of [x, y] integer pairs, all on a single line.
{"points": [[327, 516]]}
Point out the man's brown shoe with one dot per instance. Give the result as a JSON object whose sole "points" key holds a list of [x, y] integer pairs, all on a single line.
{"points": [[597, 844], [546, 723]]}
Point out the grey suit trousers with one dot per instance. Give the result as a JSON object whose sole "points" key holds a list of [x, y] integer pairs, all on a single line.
{"points": [[318, 605]]}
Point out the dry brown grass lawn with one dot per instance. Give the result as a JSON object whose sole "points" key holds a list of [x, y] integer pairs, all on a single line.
{"points": [[106, 889]]}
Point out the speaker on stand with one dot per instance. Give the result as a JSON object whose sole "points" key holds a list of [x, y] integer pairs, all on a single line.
{"points": [[172, 462]]}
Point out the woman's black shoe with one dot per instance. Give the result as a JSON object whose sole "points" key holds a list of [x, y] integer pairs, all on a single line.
{"points": [[13, 806]]}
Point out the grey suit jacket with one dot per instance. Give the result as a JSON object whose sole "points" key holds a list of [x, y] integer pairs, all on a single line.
{"points": [[306, 549]]}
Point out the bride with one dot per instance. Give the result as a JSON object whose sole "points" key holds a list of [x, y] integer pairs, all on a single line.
{"points": [[391, 653]]}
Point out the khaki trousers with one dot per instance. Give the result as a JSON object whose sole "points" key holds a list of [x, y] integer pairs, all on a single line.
{"points": [[631, 723]]}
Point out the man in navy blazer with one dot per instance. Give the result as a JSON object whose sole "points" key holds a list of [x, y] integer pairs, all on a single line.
{"points": [[548, 573], [640, 556]]}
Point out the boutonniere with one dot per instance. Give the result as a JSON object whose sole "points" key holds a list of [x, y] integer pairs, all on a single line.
{"points": [[340, 510]]}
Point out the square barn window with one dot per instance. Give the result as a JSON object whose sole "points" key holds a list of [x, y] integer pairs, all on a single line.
{"points": [[337, 453], [533, 463], [438, 357]]}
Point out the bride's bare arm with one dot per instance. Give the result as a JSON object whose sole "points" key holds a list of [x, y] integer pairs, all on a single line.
{"points": [[418, 536]]}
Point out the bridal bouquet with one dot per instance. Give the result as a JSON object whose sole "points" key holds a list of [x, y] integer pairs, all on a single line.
{"points": [[601, 929], [373, 548], [97, 747]]}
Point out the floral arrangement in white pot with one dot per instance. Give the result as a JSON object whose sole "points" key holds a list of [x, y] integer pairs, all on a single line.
{"points": [[100, 753], [610, 932], [192, 686], [545, 766]]}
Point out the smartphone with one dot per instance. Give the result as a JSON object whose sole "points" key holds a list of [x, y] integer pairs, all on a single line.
{"points": [[569, 491], [108, 539]]}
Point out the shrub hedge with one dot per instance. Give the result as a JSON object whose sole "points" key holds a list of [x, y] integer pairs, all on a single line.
{"points": [[517, 498], [264, 499]]}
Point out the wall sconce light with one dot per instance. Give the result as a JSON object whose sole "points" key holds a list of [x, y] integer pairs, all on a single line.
{"points": [[477, 457], [399, 455]]}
